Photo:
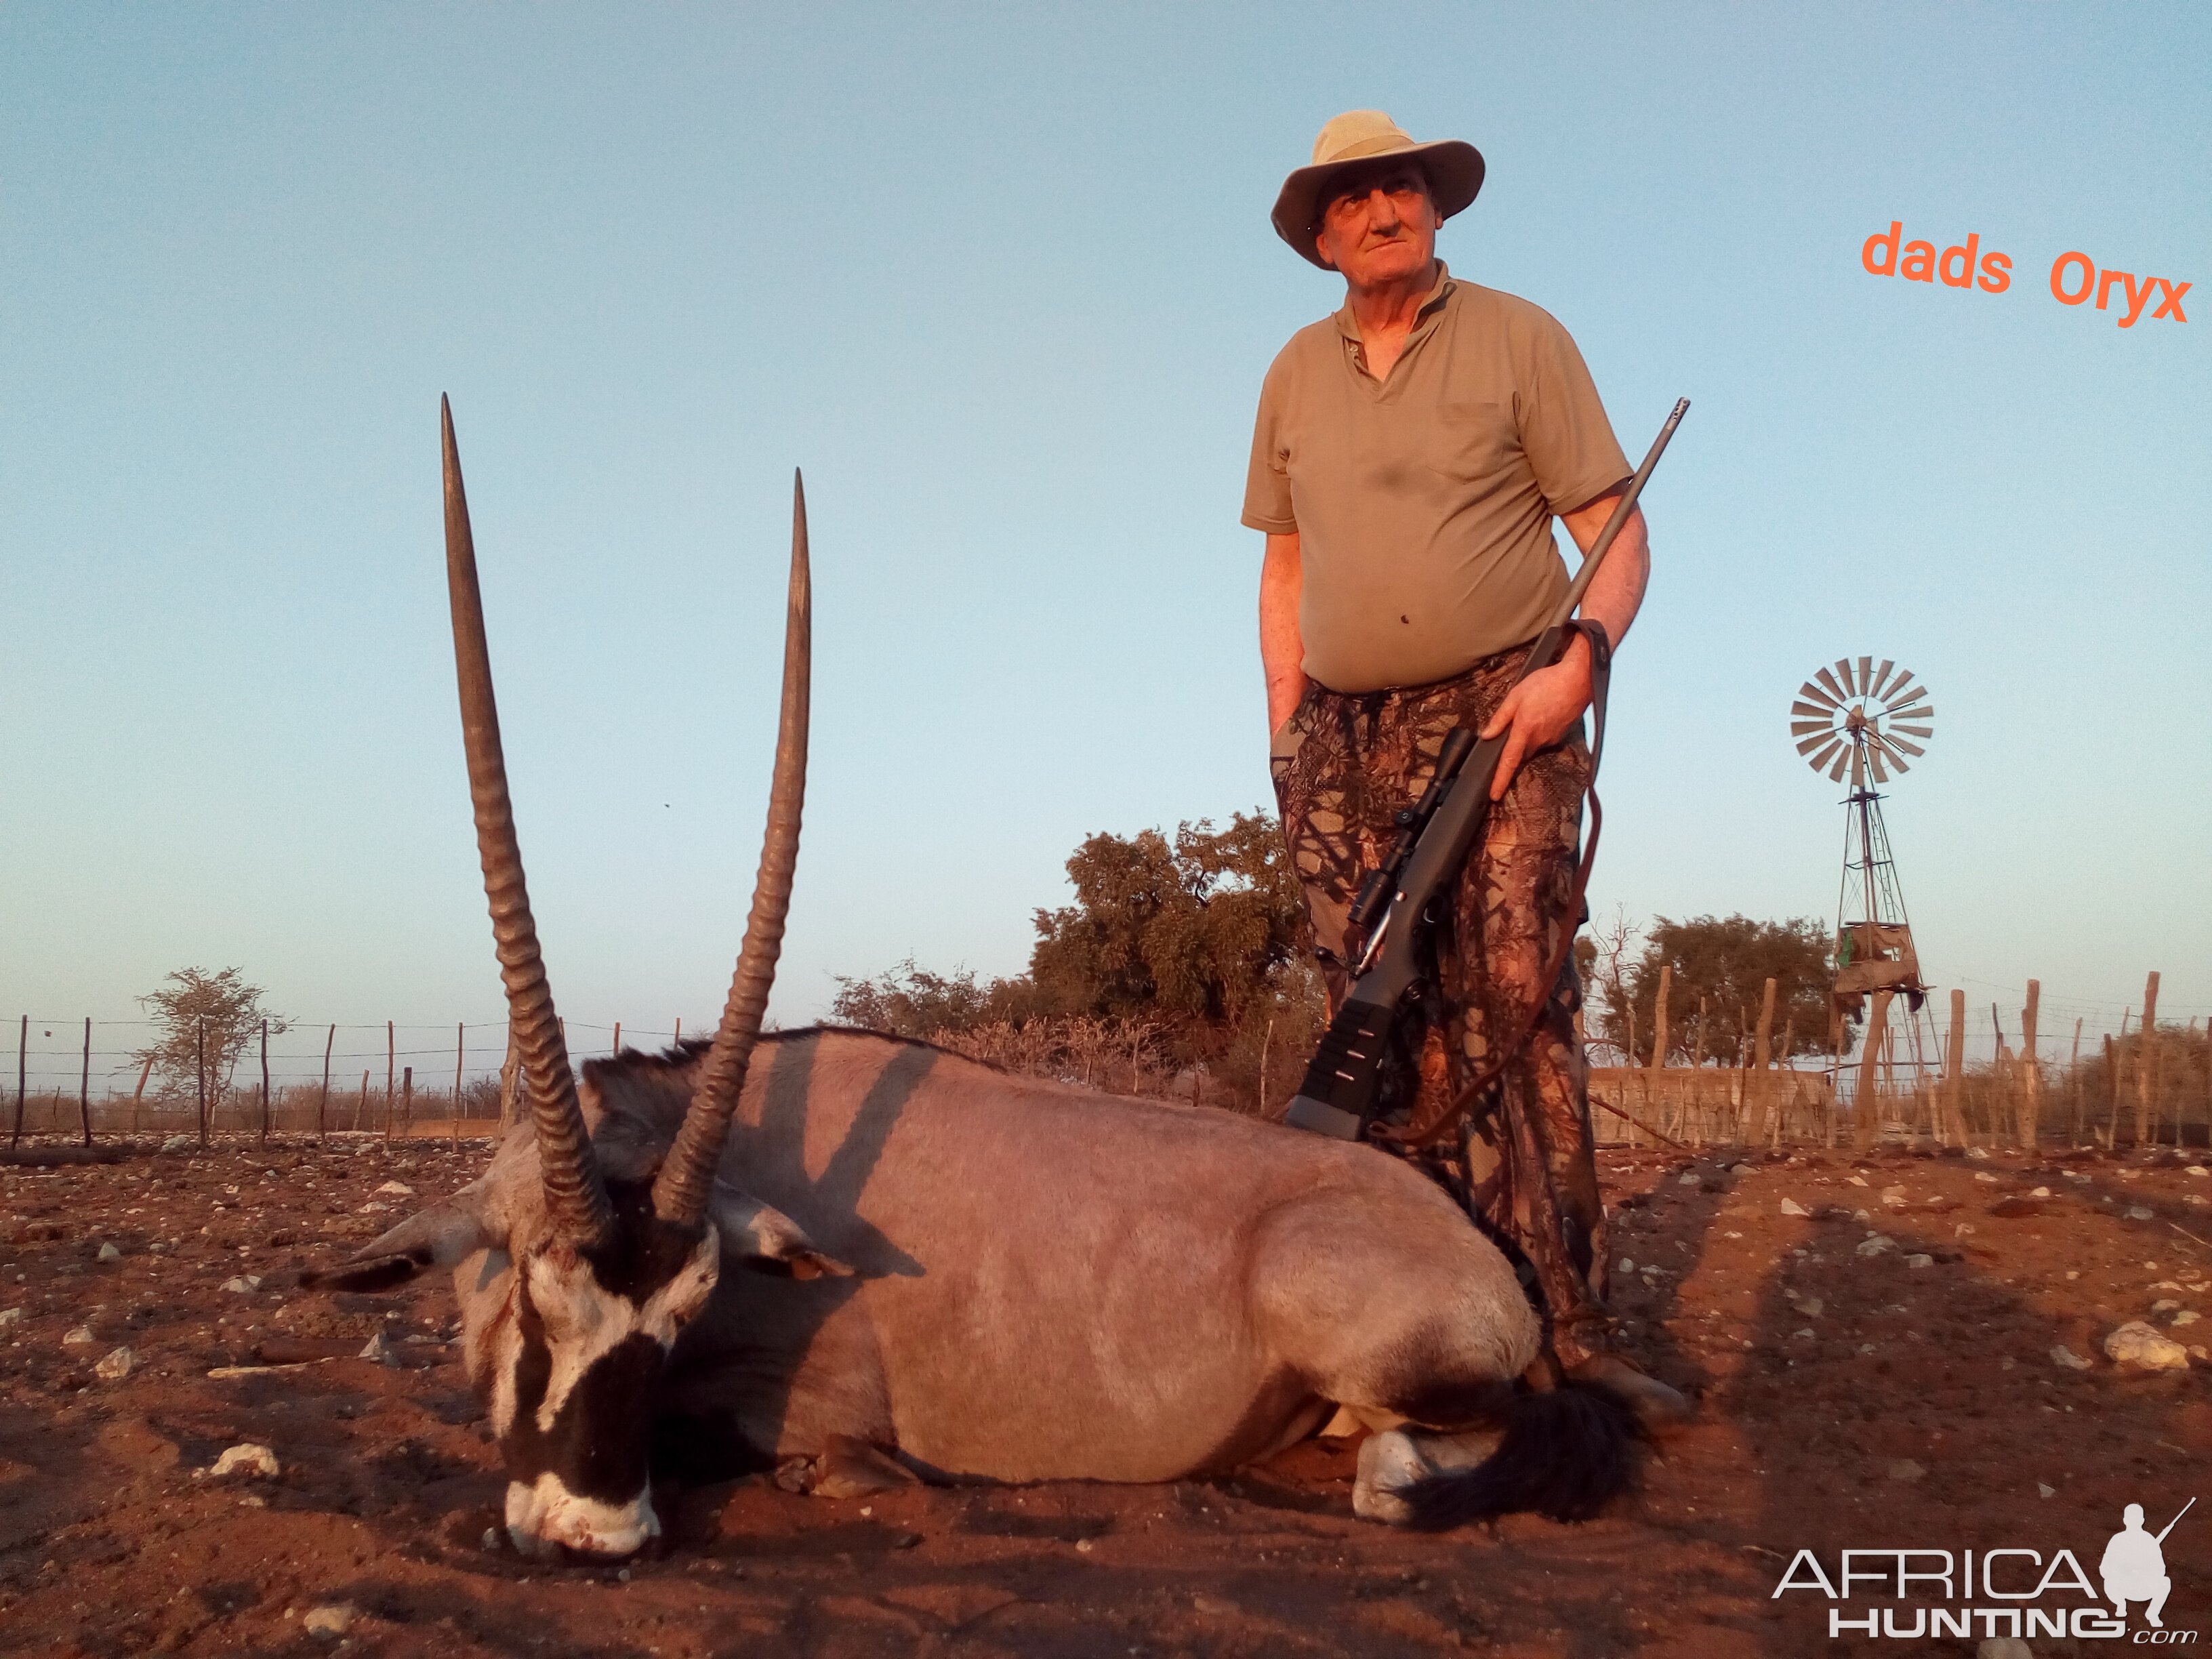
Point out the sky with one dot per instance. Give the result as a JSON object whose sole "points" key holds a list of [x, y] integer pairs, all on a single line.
{"points": [[1001, 280]]}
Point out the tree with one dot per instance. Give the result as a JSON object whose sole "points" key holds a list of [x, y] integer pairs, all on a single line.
{"points": [[192, 1001], [911, 1001], [1726, 961], [1194, 931]]}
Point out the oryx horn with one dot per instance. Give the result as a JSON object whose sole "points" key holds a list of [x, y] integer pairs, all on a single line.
{"points": [[687, 1175], [575, 1194]]}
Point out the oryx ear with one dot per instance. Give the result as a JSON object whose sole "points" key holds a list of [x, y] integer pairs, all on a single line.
{"points": [[750, 1228], [446, 1233]]}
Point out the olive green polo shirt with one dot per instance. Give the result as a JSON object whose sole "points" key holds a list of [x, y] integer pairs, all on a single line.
{"points": [[1424, 502]]}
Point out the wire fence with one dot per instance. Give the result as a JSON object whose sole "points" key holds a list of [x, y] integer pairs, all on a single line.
{"points": [[84, 1075], [2089, 1070]]}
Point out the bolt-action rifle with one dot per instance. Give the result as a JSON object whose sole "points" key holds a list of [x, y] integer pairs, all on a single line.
{"points": [[1392, 918]]}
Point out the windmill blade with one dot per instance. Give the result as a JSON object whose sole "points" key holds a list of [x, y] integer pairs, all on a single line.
{"points": [[1809, 689], [1800, 707], [1886, 749], [1881, 674], [1904, 691], [1917, 730], [1843, 673], [1858, 766], [1874, 759], [1820, 762], [1818, 739], [1866, 676], [1920, 713], [1844, 753], [1799, 728], [1896, 742], [1829, 680]]}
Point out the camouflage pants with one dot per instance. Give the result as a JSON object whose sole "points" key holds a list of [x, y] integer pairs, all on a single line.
{"points": [[1343, 763]]}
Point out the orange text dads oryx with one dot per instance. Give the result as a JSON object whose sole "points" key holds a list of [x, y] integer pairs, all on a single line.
{"points": [[2075, 277]]}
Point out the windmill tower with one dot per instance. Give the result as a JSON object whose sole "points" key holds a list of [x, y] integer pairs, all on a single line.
{"points": [[1858, 721]]}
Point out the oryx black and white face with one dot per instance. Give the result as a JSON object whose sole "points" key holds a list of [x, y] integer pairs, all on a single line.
{"points": [[567, 1345], [576, 1279]]}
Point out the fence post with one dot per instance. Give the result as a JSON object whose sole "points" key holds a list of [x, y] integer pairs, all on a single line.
{"points": [[139, 1093], [1954, 1066], [391, 1054], [2111, 1090], [2074, 1081], [199, 1075], [506, 1077], [84, 1084], [323, 1104], [264, 1082], [1782, 1107], [460, 1038], [2031, 1075], [2143, 1051], [407, 1092], [1866, 1110], [360, 1106], [1654, 1108], [22, 1048], [617, 1049], [1757, 1086]]}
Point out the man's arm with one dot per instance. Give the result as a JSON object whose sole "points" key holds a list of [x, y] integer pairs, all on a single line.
{"points": [[1541, 708], [1282, 653]]}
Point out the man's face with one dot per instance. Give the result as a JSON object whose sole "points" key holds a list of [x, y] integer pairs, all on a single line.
{"points": [[1379, 224]]}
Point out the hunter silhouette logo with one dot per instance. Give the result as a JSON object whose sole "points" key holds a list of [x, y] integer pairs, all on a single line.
{"points": [[2134, 1567], [1998, 1593]]}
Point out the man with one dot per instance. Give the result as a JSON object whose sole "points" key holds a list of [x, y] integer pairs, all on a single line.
{"points": [[2134, 1568], [1410, 454]]}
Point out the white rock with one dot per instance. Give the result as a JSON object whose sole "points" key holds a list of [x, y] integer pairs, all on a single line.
{"points": [[2164, 1304], [1920, 1261], [2040, 1192], [237, 1286], [1810, 1306], [1689, 1180], [1874, 1245], [1984, 1174], [331, 1618], [2136, 1344], [2186, 1316], [1976, 1153], [176, 1144], [1893, 1197], [246, 1458], [2136, 1212], [10, 1316], [82, 1337], [1857, 1181], [2043, 1491], [2197, 1169], [109, 1252], [1791, 1207], [1626, 1266], [116, 1366], [396, 1188], [379, 1350]]}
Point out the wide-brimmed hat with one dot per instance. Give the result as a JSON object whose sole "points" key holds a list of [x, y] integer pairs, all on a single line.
{"points": [[1454, 170]]}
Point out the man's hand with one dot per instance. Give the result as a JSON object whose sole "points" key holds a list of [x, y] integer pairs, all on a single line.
{"points": [[1540, 711]]}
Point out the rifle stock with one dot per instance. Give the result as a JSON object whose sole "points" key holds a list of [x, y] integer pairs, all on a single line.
{"points": [[1342, 1085]]}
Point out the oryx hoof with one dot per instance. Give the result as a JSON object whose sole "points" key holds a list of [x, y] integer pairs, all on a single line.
{"points": [[1389, 1463]]}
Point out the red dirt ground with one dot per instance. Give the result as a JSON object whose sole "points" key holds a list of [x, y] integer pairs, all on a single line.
{"points": [[1921, 1405]]}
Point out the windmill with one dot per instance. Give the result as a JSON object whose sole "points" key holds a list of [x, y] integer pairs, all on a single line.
{"points": [[1860, 721]]}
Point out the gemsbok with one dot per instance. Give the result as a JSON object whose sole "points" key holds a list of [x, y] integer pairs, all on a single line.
{"points": [[866, 1252]]}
